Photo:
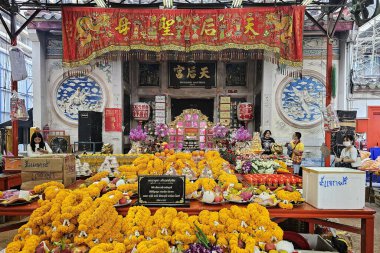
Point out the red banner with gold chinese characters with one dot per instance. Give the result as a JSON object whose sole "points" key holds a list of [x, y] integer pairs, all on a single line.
{"points": [[274, 32]]}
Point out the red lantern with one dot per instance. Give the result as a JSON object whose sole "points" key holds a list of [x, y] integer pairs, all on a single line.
{"points": [[245, 111], [141, 111]]}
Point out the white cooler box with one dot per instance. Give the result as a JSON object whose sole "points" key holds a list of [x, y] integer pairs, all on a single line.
{"points": [[334, 188]]}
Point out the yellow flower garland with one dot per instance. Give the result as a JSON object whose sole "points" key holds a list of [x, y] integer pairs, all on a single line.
{"points": [[287, 198], [95, 221], [247, 239], [128, 188], [31, 244], [98, 176], [115, 247], [95, 189], [14, 247], [191, 187], [208, 184], [40, 188], [294, 196], [183, 232], [153, 246], [75, 203]]}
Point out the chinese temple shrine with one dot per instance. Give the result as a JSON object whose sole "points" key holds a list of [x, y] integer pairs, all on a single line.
{"points": [[183, 61]]}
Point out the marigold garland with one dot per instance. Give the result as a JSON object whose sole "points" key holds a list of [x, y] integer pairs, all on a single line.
{"points": [[248, 240], [31, 244], [14, 247], [208, 184], [288, 198], [114, 247], [38, 189], [97, 176], [155, 245], [82, 217], [128, 188], [191, 187]]}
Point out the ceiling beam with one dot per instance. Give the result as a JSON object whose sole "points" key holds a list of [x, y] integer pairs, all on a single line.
{"points": [[337, 19], [30, 19], [316, 22], [5, 26]]}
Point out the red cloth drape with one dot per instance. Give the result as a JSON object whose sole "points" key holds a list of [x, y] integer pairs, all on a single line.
{"points": [[91, 32]]}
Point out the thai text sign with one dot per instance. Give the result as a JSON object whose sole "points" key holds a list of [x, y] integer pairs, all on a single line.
{"points": [[161, 190], [91, 32], [192, 74]]}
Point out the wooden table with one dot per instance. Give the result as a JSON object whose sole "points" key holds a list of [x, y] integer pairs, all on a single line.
{"points": [[304, 212], [9, 180]]}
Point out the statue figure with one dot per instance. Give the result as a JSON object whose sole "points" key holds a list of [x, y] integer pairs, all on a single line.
{"points": [[77, 99]]}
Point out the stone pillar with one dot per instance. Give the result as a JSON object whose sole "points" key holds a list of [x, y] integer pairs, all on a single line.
{"points": [[117, 91], [40, 101], [269, 73], [343, 75], [134, 79]]}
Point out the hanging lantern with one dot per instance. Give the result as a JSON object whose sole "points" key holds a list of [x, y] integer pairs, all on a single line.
{"points": [[141, 111], [245, 111]]}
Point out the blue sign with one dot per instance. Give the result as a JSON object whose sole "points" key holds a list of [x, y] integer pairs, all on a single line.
{"points": [[332, 182]]}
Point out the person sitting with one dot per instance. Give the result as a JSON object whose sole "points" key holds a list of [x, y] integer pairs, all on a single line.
{"points": [[266, 142], [348, 155], [295, 151], [37, 146]]}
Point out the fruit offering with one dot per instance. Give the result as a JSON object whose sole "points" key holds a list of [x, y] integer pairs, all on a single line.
{"points": [[272, 180], [214, 196], [263, 196], [239, 196]]}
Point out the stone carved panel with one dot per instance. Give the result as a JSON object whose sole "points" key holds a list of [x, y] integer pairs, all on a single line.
{"points": [[316, 48], [299, 101], [78, 94]]}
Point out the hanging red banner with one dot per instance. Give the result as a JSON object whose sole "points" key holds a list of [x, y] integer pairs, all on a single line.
{"points": [[91, 32], [112, 119]]}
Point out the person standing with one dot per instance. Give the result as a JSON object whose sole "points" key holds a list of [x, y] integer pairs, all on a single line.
{"points": [[295, 151], [37, 146], [267, 141], [348, 155]]}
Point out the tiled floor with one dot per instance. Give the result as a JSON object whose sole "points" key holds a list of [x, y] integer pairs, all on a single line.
{"points": [[6, 237]]}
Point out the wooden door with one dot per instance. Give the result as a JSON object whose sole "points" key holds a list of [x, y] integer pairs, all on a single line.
{"points": [[373, 135]]}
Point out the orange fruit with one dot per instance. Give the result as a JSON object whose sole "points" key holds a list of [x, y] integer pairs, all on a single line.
{"points": [[157, 154]]}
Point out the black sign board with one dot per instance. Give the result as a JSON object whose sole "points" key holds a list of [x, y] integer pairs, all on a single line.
{"points": [[183, 74], [162, 191]]}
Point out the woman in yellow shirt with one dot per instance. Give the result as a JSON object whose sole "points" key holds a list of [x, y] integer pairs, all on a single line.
{"points": [[295, 151]]}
